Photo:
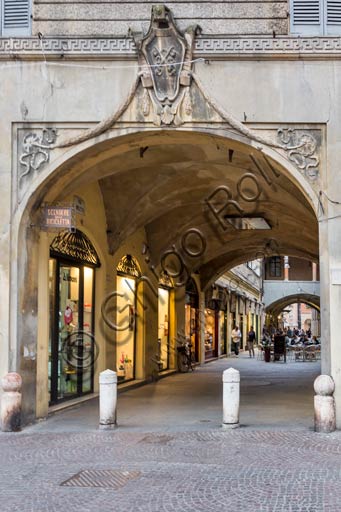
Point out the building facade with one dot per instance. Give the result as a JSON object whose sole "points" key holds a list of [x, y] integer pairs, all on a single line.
{"points": [[173, 149], [292, 293]]}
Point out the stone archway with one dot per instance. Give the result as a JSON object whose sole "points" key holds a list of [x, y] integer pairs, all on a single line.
{"points": [[277, 306], [161, 182]]}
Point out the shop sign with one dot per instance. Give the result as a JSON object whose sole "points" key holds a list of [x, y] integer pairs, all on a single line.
{"points": [[58, 217]]}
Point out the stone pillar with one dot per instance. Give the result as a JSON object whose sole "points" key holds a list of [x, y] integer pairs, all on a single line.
{"points": [[314, 268], [202, 326], [330, 296], [324, 404], [107, 399], [231, 398], [11, 402], [315, 328], [286, 268], [228, 326]]}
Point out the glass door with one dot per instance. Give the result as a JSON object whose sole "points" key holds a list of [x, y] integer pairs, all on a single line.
{"points": [[126, 333], [88, 330], [71, 347]]}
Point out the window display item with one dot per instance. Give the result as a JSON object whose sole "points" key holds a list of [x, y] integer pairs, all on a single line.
{"points": [[68, 316]]}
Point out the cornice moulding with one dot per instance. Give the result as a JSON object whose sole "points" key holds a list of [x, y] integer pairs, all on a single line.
{"points": [[102, 48]]}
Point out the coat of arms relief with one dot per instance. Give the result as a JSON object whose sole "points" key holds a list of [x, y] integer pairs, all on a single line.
{"points": [[165, 61]]}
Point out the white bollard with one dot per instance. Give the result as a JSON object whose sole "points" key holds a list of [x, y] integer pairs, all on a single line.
{"points": [[11, 402], [324, 404], [107, 399], [231, 398]]}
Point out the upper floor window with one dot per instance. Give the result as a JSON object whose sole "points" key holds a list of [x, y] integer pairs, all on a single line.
{"points": [[315, 17], [275, 266], [15, 18]]}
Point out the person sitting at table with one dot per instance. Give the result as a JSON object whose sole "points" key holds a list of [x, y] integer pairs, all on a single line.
{"points": [[306, 340]]}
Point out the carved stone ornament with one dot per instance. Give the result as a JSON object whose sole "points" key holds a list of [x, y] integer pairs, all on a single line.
{"points": [[301, 148], [36, 151], [165, 60]]}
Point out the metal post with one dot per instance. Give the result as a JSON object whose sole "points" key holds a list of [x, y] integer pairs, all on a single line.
{"points": [[107, 399]]}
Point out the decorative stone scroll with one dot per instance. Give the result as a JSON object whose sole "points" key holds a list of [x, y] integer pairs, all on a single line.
{"points": [[301, 147], [35, 151]]}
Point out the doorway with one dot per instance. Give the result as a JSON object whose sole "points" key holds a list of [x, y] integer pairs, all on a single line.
{"points": [[72, 349]]}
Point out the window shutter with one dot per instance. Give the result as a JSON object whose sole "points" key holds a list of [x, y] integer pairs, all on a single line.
{"points": [[306, 17], [16, 18], [333, 17]]}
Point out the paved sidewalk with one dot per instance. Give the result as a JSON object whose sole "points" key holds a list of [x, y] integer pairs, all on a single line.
{"points": [[274, 395], [171, 455]]}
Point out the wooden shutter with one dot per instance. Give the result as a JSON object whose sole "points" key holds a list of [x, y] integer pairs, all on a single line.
{"points": [[16, 17], [306, 17], [333, 17]]}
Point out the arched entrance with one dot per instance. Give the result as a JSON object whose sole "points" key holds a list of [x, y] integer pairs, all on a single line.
{"points": [[276, 312], [203, 201]]}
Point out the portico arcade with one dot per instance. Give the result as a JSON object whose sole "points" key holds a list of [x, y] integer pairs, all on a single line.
{"points": [[143, 207]]}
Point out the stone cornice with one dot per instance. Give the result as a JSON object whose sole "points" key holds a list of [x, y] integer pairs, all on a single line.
{"points": [[206, 47]]}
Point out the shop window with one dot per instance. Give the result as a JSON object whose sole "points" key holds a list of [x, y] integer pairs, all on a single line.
{"points": [[315, 17], [15, 18], [223, 331], [128, 271], [72, 347], [192, 316], [210, 333], [163, 329]]}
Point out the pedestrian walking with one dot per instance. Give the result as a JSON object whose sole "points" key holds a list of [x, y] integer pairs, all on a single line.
{"points": [[236, 337], [251, 338]]}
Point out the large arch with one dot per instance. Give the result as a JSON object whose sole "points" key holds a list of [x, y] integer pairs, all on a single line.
{"points": [[157, 183], [277, 306]]}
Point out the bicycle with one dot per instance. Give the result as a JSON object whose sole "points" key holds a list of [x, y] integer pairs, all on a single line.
{"points": [[185, 357]]}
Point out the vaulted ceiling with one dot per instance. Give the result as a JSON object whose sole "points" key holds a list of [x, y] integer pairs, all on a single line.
{"points": [[161, 181]]}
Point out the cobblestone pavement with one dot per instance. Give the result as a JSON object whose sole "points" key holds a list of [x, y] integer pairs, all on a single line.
{"points": [[215, 470], [170, 441]]}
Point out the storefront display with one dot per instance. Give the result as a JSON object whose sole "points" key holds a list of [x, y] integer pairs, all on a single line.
{"points": [[127, 273], [163, 330], [192, 317], [222, 332], [210, 333], [71, 343]]}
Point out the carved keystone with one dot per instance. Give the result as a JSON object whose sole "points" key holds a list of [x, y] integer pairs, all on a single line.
{"points": [[324, 404]]}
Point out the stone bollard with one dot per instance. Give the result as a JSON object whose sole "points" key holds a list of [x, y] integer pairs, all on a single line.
{"points": [[107, 399], [324, 404], [11, 402], [231, 397]]}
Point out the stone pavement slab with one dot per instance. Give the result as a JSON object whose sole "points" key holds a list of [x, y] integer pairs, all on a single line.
{"points": [[240, 470], [170, 454], [274, 395]]}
